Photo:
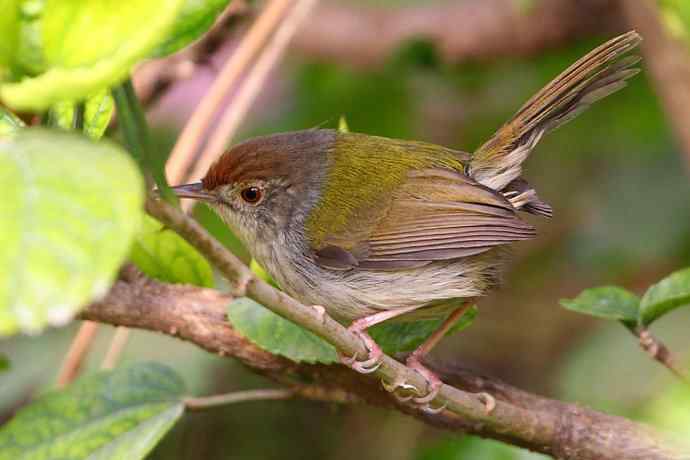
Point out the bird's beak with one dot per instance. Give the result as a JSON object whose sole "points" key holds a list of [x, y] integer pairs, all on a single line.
{"points": [[193, 191]]}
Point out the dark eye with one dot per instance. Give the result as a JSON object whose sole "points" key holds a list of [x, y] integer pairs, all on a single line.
{"points": [[251, 194]]}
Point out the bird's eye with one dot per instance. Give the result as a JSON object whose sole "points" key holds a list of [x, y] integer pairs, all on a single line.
{"points": [[251, 195]]}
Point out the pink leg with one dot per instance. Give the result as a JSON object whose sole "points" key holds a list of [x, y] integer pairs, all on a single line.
{"points": [[359, 327], [414, 360]]}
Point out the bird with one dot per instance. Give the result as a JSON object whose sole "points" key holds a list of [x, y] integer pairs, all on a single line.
{"points": [[373, 229]]}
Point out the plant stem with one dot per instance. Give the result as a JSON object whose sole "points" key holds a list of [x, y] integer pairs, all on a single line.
{"points": [[237, 396], [136, 135]]}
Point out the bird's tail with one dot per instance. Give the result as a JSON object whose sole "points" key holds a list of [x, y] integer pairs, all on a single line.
{"points": [[497, 163]]}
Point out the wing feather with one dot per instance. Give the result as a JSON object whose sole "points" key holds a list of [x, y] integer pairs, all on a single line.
{"points": [[438, 214]]}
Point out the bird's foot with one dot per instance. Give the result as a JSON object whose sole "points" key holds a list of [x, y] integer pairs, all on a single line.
{"points": [[374, 354], [405, 392], [433, 383]]}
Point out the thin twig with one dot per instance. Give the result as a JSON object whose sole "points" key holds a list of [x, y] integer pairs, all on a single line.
{"points": [[237, 396], [115, 349], [183, 154], [237, 110], [658, 351], [78, 350]]}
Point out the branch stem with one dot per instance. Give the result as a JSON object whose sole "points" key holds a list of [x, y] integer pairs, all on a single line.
{"points": [[236, 397], [658, 351]]}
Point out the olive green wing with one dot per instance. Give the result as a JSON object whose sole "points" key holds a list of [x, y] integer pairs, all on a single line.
{"points": [[436, 215]]}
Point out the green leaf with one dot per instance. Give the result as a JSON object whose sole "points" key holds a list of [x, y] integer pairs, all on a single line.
{"points": [[9, 25], [89, 46], [98, 111], [61, 114], [608, 302], [195, 18], [70, 209], [119, 414], [164, 255], [9, 123], [668, 294], [4, 363], [278, 335], [406, 336]]}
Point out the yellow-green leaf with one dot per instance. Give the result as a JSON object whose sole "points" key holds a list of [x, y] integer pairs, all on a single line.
{"points": [[195, 18], [89, 46], [98, 110], [70, 209]]}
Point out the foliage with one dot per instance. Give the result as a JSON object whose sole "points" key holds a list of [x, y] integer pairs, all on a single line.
{"points": [[67, 225], [612, 302], [118, 414], [164, 255]]}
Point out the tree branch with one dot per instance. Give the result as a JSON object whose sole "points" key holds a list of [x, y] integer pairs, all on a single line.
{"points": [[198, 315]]}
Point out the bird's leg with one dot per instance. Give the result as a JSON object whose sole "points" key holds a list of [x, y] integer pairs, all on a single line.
{"points": [[414, 361], [359, 327]]}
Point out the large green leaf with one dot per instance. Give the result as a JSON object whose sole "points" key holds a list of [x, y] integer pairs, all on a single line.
{"points": [[4, 363], [9, 123], [195, 18], [609, 302], [278, 335], [90, 46], [163, 254], [70, 209], [668, 294], [119, 414]]}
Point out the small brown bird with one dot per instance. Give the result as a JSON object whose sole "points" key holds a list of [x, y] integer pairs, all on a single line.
{"points": [[375, 229]]}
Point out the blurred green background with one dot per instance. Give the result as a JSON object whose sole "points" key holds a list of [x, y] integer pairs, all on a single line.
{"points": [[620, 194]]}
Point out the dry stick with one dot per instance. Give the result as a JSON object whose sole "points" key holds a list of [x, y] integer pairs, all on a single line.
{"points": [[183, 154], [505, 420], [237, 396], [79, 348], [237, 110], [115, 349]]}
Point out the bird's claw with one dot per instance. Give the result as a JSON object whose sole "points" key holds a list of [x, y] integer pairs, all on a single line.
{"points": [[373, 360], [433, 383]]}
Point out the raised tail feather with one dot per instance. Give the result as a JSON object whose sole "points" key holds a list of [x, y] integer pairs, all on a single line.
{"points": [[497, 163]]}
